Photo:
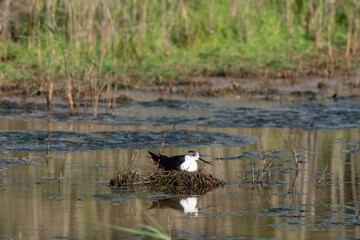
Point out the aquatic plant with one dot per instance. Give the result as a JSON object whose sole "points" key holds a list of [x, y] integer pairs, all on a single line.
{"points": [[264, 172], [154, 230], [264, 175], [292, 141], [145, 231]]}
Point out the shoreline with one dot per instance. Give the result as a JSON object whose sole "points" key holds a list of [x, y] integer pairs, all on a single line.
{"points": [[342, 84]]}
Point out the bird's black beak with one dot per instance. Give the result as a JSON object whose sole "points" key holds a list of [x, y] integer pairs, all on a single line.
{"points": [[205, 161]]}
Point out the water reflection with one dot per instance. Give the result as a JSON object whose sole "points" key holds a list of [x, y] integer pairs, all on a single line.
{"points": [[187, 205], [320, 200]]}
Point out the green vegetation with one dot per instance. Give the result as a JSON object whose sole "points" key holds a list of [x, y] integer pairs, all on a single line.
{"points": [[154, 230], [84, 42], [148, 231]]}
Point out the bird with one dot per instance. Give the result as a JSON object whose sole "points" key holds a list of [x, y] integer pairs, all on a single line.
{"points": [[185, 162]]}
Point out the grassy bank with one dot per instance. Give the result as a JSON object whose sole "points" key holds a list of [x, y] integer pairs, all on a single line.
{"points": [[97, 42]]}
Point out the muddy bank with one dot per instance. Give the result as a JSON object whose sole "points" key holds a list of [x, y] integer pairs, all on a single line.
{"points": [[299, 86], [270, 87]]}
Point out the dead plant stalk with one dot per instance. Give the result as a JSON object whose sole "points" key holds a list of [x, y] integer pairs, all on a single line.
{"points": [[292, 141], [162, 145], [219, 161], [293, 149]]}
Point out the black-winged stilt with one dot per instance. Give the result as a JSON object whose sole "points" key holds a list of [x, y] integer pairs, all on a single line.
{"points": [[185, 162]]}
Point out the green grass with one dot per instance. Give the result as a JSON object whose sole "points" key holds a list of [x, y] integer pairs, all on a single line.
{"points": [[147, 231], [160, 41], [154, 230]]}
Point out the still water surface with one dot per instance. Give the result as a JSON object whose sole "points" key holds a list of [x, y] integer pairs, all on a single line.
{"points": [[66, 196]]}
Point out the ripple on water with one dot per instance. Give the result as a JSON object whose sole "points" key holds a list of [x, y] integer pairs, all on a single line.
{"points": [[64, 141], [311, 115]]}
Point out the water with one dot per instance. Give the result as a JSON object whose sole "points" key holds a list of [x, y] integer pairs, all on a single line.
{"points": [[304, 113], [66, 196]]}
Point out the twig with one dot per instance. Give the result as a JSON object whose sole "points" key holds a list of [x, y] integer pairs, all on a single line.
{"points": [[49, 136], [292, 130], [253, 174], [219, 161], [295, 179], [133, 159], [292, 142], [322, 177], [266, 156], [163, 142], [136, 183]]}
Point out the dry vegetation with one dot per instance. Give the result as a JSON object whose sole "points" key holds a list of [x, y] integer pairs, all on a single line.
{"points": [[174, 181]]}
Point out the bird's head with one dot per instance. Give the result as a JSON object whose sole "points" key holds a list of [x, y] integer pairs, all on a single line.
{"points": [[195, 156]]}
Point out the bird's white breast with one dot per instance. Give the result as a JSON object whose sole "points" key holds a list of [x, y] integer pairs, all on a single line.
{"points": [[189, 164]]}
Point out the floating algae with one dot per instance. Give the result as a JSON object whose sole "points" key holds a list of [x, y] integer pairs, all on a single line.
{"points": [[173, 181]]}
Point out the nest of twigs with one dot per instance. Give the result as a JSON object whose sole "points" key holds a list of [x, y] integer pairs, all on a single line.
{"points": [[174, 181], [178, 181]]}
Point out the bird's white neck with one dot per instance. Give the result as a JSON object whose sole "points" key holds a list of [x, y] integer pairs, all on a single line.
{"points": [[189, 164]]}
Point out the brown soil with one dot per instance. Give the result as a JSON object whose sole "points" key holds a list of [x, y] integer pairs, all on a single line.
{"points": [[281, 85]]}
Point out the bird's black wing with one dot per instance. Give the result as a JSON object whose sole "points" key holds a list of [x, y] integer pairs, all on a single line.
{"points": [[173, 162], [167, 162]]}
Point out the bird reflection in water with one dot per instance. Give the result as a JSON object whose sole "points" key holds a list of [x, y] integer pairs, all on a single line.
{"points": [[186, 205]]}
